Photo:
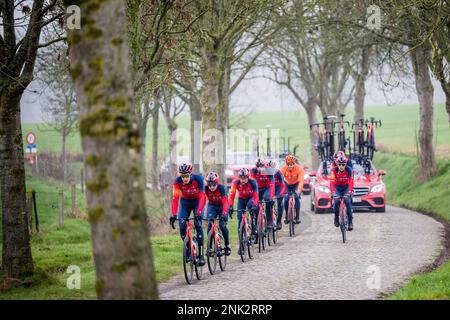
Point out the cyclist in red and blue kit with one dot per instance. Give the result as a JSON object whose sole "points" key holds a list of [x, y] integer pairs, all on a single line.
{"points": [[341, 184], [191, 189], [217, 206], [280, 189], [248, 196], [263, 175]]}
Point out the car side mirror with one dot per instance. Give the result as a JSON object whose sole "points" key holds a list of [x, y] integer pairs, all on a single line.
{"points": [[312, 173], [381, 172]]}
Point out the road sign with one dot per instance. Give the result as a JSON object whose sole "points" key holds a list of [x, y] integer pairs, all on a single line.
{"points": [[31, 138]]}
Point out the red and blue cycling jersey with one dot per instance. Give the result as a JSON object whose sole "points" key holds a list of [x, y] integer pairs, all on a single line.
{"points": [[279, 182], [193, 190], [217, 197], [264, 179], [341, 179], [246, 191]]}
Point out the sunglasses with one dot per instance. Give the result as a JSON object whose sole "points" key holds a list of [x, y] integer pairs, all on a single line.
{"points": [[212, 184], [341, 164], [186, 175]]}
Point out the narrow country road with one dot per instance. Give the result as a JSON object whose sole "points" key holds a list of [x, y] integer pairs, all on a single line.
{"points": [[382, 252]]}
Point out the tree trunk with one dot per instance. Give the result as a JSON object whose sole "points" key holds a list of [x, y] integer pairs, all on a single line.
{"points": [[213, 124], [112, 146], [360, 89], [155, 124], [196, 115], [63, 155], [424, 88], [16, 257], [172, 151], [311, 113]]}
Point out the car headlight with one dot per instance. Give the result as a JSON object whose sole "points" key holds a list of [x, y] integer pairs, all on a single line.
{"points": [[306, 176], [323, 189], [228, 172], [377, 188]]}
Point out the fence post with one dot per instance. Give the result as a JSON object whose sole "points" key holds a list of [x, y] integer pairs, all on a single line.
{"points": [[74, 195], [36, 219], [60, 208], [82, 181], [29, 212]]}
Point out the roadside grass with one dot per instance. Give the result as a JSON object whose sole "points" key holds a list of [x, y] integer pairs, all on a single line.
{"points": [[54, 249], [431, 196]]}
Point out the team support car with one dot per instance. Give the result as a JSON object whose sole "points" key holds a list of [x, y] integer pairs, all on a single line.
{"points": [[369, 191]]}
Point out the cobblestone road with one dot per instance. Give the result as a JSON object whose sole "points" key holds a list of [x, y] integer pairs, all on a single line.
{"points": [[382, 252]]}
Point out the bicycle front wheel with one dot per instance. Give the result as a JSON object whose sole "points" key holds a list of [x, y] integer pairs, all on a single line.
{"points": [[198, 268], [188, 263], [291, 221], [211, 253], [222, 257], [243, 243], [343, 225]]}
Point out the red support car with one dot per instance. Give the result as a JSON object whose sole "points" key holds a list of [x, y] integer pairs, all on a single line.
{"points": [[369, 190]]}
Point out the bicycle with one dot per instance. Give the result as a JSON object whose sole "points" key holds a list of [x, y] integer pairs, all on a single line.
{"points": [[343, 218], [342, 143], [245, 241], [214, 250], [290, 214], [261, 226], [370, 141], [190, 252], [272, 234]]}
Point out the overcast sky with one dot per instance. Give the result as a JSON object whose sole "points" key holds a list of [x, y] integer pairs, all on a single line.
{"points": [[262, 95]]}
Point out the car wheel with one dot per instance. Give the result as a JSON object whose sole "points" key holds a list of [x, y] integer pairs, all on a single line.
{"points": [[312, 206], [383, 209], [306, 193]]}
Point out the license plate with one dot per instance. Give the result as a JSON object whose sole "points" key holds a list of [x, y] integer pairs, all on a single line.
{"points": [[356, 200]]}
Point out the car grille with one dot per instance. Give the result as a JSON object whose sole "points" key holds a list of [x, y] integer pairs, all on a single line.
{"points": [[323, 202], [360, 191]]}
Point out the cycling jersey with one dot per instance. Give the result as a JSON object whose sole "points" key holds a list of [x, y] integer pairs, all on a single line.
{"points": [[279, 182], [246, 191], [217, 197], [341, 178], [193, 190], [291, 177], [264, 179]]}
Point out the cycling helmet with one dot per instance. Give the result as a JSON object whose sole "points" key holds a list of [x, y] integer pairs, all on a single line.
{"points": [[243, 172], [259, 162], [272, 163], [339, 154], [290, 159], [212, 177], [341, 160], [185, 168]]}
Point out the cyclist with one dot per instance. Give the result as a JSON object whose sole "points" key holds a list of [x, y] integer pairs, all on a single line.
{"points": [[338, 154], [190, 187], [263, 175], [341, 184], [217, 206], [293, 179], [280, 190], [248, 196]]}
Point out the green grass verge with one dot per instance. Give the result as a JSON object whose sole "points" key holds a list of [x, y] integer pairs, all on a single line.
{"points": [[431, 196]]}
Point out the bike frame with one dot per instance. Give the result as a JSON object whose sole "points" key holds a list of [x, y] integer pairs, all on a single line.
{"points": [[216, 232]]}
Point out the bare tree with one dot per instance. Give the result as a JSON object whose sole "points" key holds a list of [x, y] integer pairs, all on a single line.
{"points": [[21, 28], [112, 147], [60, 107]]}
